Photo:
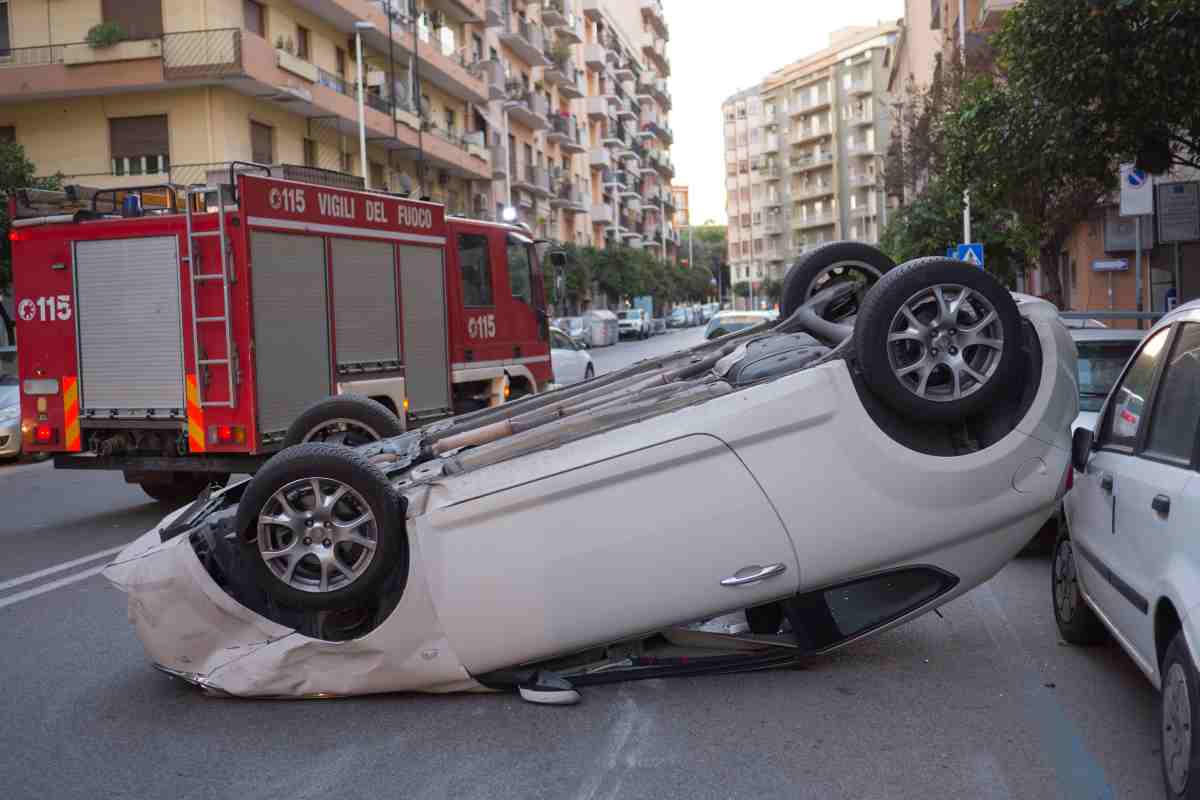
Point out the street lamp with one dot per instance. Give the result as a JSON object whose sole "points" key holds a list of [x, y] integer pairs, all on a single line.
{"points": [[509, 214], [359, 28]]}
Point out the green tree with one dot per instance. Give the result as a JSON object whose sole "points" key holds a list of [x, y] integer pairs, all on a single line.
{"points": [[709, 251], [16, 172]]}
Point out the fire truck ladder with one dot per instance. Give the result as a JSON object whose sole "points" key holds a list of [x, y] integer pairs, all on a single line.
{"points": [[198, 276]]}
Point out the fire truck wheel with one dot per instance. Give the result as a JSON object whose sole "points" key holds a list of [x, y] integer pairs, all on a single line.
{"points": [[348, 420], [322, 528], [180, 487]]}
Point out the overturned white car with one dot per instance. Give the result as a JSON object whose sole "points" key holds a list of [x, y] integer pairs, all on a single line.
{"points": [[885, 446]]}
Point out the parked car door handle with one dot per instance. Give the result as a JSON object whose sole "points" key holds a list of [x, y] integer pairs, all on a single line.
{"points": [[754, 574], [1161, 504], [1106, 482]]}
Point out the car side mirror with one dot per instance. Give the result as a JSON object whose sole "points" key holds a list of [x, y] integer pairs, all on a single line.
{"points": [[558, 258], [1081, 448]]}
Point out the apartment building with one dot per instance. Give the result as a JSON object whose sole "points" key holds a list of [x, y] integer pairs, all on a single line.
{"points": [[683, 216], [804, 153], [919, 46], [478, 104]]}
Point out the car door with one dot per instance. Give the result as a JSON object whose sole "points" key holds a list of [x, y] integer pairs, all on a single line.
{"points": [[622, 545], [565, 359], [1100, 554], [1148, 533]]}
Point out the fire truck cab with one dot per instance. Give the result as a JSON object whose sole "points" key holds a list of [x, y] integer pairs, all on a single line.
{"points": [[177, 333]]}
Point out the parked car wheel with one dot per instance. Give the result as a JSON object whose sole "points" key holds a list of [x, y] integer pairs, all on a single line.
{"points": [[322, 527], [1077, 623], [1180, 711], [938, 340], [178, 488], [837, 262], [1043, 541], [348, 420]]}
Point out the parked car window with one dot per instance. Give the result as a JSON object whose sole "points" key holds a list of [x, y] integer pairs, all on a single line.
{"points": [[1177, 404], [560, 342], [1129, 398], [520, 271], [1100, 364], [476, 269]]}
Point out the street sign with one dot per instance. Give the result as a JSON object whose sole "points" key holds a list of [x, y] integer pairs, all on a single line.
{"points": [[1178, 212], [1110, 265], [951, 253], [971, 253], [1137, 192]]}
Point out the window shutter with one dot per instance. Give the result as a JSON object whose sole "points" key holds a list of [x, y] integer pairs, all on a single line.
{"points": [[139, 19], [260, 143], [139, 136]]}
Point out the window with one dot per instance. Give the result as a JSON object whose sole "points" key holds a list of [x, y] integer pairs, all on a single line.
{"points": [[935, 15], [1177, 403], [256, 19], [139, 145], [139, 19], [302, 50], [451, 121], [376, 175], [262, 143], [1128, 402], [310, 153], [520, 269], [476, 269], [339, 62], [8, 133], [5, 33]]}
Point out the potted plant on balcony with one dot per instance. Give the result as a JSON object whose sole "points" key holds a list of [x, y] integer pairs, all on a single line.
{"points": [[514, 88], [560, 54], [106, 34]]}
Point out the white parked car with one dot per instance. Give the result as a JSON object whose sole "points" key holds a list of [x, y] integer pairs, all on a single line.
{"points": [[1128, 560], [819, 481], [569, 359], [634, 322], [1103, 353]]}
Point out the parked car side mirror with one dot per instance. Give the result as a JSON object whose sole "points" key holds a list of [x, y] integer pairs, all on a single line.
{"points": [[1081, 448], [558, 258]]}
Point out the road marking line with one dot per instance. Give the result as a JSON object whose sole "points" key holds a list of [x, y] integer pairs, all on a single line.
{"points": [[50, 587], [33, 576]]}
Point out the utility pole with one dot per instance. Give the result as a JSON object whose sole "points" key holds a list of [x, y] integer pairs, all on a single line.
{"points": [[962, 52], [416, 72]]}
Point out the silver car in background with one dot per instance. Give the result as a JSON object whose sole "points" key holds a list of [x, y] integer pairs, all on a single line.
{"points": [[10, 418]]}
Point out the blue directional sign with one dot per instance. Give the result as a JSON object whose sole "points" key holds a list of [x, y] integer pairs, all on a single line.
{"points": [[971, 253], [951, 252]]}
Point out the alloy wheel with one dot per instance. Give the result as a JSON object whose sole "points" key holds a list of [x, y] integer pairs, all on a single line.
{"points": [[1065, 582], [1177, 728], [348, 432]]}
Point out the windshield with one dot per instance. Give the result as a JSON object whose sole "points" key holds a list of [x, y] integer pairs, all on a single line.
{"points": [[1100, 365], [9, 393], [630, 315], [723, 325]]}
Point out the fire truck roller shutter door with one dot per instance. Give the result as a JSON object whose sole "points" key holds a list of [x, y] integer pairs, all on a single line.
{"points": [[130, 328], [364, 302], [426, 350], [291, 326]]}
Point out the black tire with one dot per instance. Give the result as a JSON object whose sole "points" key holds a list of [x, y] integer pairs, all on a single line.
{"points": [[1077, 623], [177, 488], [811, 273], [330, 465], [348, 420], [932, 394], [1042, 543], [1180, 706], [589, 373]]}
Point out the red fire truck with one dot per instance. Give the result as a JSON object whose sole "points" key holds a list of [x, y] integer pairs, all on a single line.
{"points": [[177, 334]]}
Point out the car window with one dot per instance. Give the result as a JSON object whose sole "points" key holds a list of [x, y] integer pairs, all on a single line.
{"points": [[520, 271], [1129, 398], [1177, 403], [1100, 364], [476, 269], [560, 342]]}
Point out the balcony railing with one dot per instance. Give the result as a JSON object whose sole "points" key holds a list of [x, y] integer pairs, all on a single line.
{"points": [[33, 56], [813, 220], [194, 55]]}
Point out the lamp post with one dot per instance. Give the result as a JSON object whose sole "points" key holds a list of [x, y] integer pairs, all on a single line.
{"points": [[359, 27]]}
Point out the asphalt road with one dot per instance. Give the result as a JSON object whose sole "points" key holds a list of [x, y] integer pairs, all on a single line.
{"points": [[980, 702]]}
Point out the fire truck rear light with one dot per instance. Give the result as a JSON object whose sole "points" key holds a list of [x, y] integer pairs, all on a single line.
{"points": [[43, 434], [41, 386], [226, 434]]}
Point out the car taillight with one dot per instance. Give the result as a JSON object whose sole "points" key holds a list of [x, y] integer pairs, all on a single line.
{"points": [[43, 434], [226, 434]]}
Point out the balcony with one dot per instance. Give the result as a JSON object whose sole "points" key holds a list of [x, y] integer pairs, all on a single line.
{"points": [[601, 158], [625, 109], [652, 13], [772, 172], [656, 55], [806, 105], [567, 77], [532, 179], [602, 214], [597, 109], [496, 78], [595, 55], [860, 149], [555, 12], [862, 87], [771, 143], [633, 204], [570, 196], [992, 11], [811, 161], [566, 133], [499, 162], [773, 201], [496, 12], [592, 10], [813, 221], [862, 212], [812, 189], [773, 226], [529, 108], [811, 133], [662, 94], [623, 71], [862, 180], [863, 118], [526, 39]]}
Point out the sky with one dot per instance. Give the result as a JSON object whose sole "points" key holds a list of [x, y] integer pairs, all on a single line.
{"points": [[718, 49]]}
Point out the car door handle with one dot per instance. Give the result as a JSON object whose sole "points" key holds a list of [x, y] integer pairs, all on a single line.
{"points": [[1161, 504], [754, 574], [1106, 482]]}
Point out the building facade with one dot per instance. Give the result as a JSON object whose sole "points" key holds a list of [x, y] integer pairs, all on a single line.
{"points": [[477, 104], [683, 214], [804, 154]]}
